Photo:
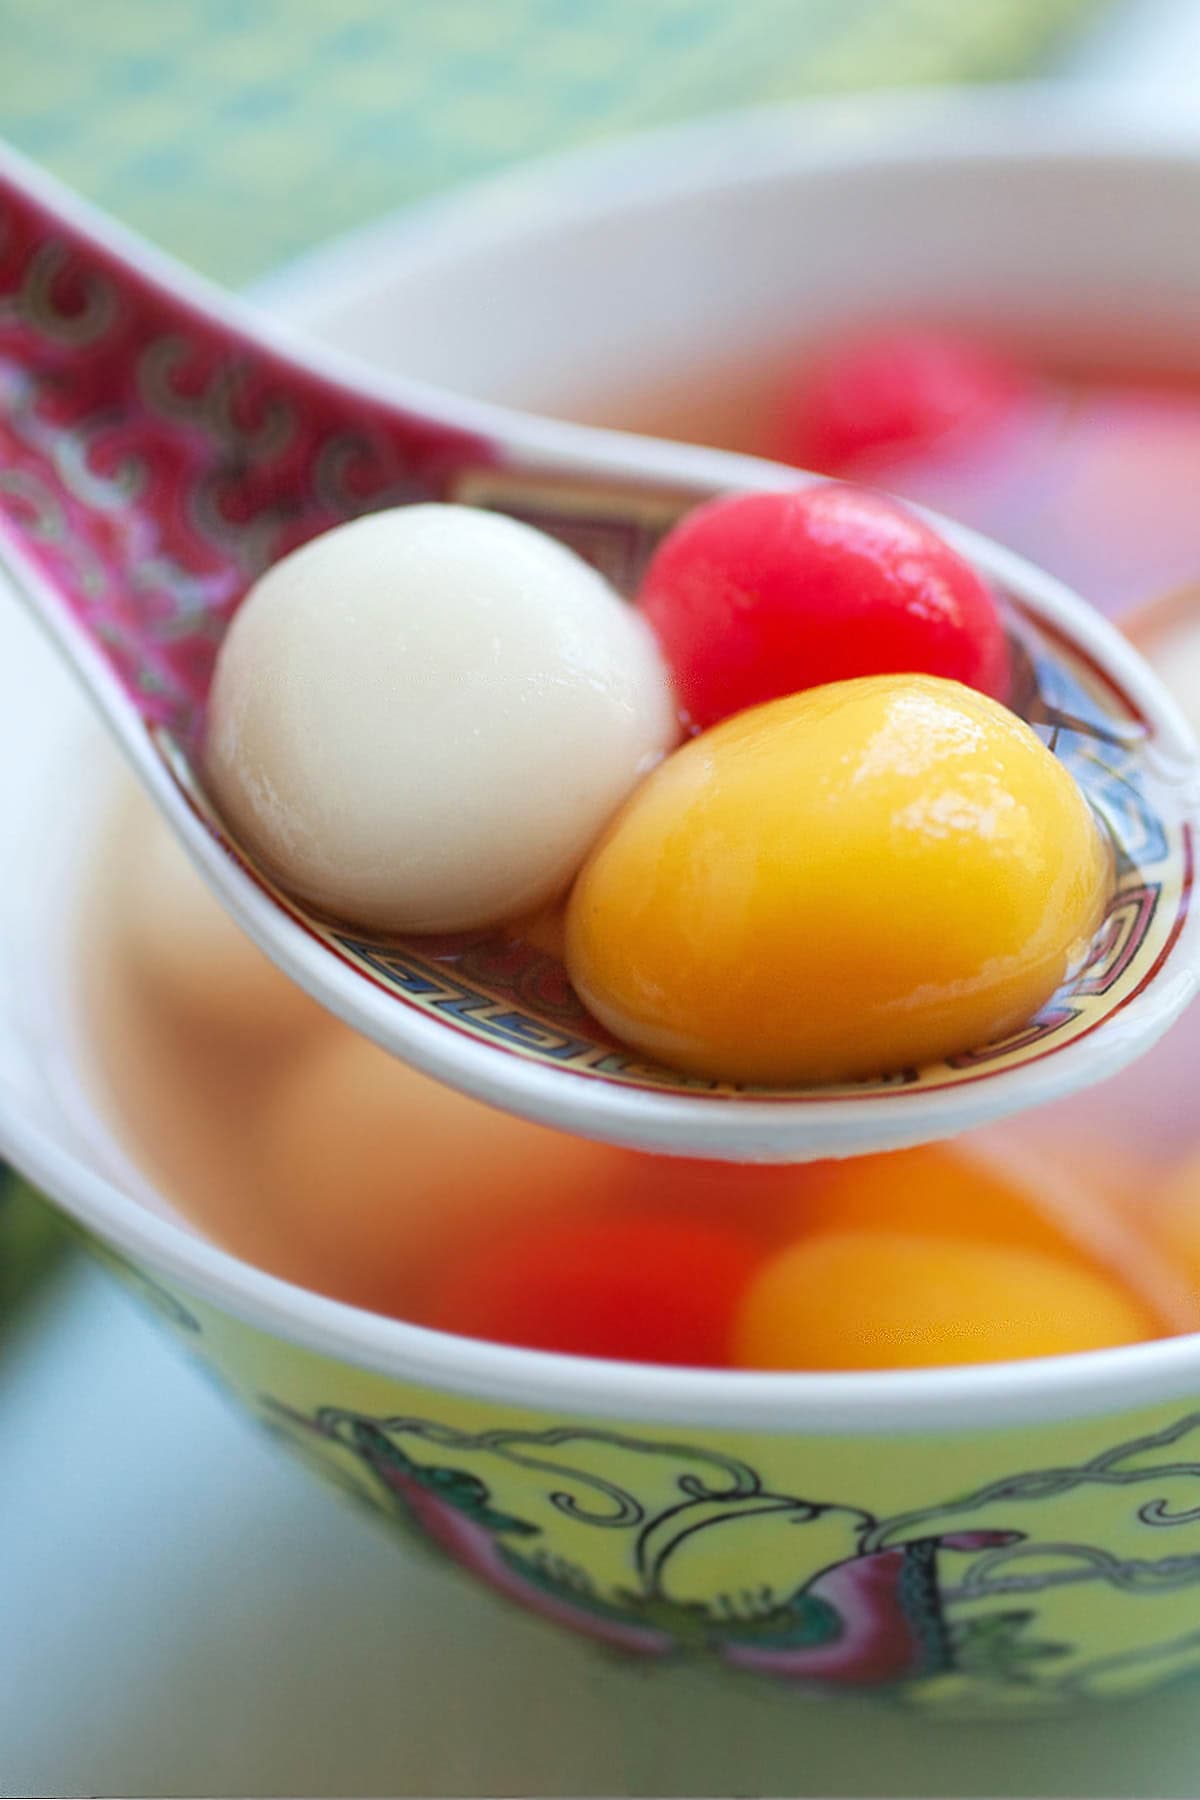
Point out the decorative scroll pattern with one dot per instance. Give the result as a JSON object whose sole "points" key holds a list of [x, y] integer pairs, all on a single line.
{"points": [[932, 1604]]}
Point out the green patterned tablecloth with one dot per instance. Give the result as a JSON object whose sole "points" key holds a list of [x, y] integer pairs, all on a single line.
{"points": [[239, 132]]}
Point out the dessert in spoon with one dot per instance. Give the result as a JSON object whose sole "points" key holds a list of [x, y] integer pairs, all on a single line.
{"points": [[162, 449]]}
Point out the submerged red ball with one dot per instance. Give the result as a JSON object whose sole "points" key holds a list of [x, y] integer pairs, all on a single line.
{"points": [[895, 392], [635, 1289], [761, 595]]}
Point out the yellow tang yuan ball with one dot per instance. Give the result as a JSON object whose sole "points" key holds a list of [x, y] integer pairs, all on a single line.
{"points": [[856, 879], [890, 1300]]}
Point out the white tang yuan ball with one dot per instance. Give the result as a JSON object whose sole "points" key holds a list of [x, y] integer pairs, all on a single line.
{"points": [[421, 720]]}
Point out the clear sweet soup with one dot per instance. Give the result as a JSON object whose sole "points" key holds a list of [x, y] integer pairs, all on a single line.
{"points": [[308, 1152]]}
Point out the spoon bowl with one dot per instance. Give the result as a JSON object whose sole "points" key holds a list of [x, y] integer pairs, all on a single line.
{"points": [[160, 446]]}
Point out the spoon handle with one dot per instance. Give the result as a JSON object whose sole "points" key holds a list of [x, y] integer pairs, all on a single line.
{"points": [[156, 454], [161, 444]]}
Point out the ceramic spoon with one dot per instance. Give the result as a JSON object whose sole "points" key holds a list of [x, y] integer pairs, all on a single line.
{"points": [[160, 445]]}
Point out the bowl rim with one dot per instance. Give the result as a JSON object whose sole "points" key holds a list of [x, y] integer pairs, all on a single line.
{"points": [[967, 126], [1007, 122]]}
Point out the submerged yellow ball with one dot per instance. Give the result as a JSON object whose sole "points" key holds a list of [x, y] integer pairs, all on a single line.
{"points": [[891, 1300], [860, 878]]}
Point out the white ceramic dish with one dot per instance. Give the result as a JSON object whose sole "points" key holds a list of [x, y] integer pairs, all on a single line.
{"points": [[1058, 211]]}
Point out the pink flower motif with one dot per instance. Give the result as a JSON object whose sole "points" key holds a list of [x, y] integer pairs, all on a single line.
{"points": [[882, 1638], [473, 1547]]}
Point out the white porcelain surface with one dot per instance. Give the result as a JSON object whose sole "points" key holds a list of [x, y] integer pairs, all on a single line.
{"points": [[1034, 206]]}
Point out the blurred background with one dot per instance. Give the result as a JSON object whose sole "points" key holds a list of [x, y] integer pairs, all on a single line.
{"points": [[237, 136], [184, 1613]]}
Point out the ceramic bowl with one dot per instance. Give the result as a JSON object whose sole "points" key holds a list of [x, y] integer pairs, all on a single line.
{"points": [[1002, 1538]]}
